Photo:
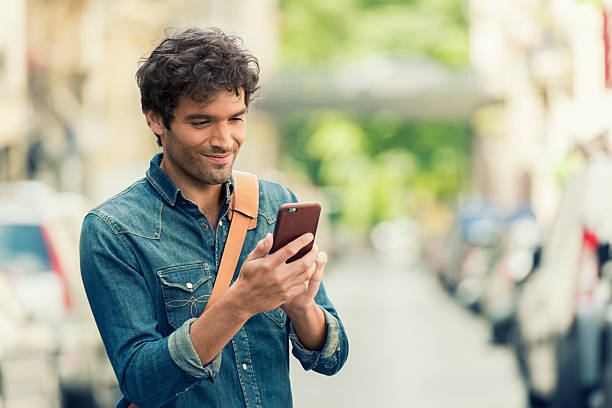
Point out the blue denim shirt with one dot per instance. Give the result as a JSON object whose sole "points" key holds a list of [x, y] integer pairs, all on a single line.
{"points": [[149, 259]]}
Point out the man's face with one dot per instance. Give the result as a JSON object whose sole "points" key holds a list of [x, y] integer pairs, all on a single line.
{"points": [[204, 139]]}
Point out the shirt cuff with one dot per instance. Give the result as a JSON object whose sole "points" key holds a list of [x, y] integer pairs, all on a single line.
{"points": [[311, 358], [185, 356]]}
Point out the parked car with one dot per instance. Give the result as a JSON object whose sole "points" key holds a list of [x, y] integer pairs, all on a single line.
{"points": [[39, 231], [561, 313], [473, 246], [29, 376], [520, 255]]}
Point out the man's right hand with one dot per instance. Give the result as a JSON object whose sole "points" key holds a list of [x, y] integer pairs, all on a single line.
{"points": [[267, 281]]}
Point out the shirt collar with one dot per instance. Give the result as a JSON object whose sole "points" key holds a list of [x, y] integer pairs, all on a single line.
{"points": [[166, 188]]}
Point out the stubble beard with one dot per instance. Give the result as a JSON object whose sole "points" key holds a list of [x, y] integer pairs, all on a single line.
{"points": [[214, 174], [195, 166], [207, 173]]}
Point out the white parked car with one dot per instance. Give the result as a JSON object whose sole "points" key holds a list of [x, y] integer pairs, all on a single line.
{"points": [[39, 231], [29, 375], [561, 314]]}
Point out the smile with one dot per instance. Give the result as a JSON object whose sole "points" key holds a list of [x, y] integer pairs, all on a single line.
{"points": [[218, 158]]}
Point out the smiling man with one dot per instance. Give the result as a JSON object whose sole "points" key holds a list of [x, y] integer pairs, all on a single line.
{"points": [[150, 254]]}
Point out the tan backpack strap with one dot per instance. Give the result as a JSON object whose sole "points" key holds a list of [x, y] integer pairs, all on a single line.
{"points": [[246, 201], [243, 215]]}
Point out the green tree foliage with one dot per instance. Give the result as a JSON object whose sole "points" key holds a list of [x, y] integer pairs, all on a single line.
{"points": [[322, 31], [378, 167]]}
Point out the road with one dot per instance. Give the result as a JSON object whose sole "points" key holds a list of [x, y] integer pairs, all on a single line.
{"points": [[411, 345]]}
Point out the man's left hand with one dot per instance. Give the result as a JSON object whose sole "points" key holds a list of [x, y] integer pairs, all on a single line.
{"points": [[305, 300]]}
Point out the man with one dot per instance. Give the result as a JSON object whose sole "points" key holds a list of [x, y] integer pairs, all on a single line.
{"points": [[149, 255]]}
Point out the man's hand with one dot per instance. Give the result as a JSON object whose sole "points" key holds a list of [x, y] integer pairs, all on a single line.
{"points": [[267, 281], [305, 300]]}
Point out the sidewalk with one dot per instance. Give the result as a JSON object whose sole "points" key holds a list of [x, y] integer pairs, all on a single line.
{"points": [[410, 346]]}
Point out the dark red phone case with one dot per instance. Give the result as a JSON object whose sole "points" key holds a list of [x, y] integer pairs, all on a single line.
{"points": [[292, 221]]}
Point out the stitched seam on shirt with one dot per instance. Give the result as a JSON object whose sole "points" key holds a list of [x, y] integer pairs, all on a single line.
{"points": [[333, 329], [108, 221], [125, 243], [268, 219], [127, 190], [161, 206], [282, 314], [191, 301], [115, 228], [187, 389], [272, 220], [167, 283], [289, 198], [203, 265]]}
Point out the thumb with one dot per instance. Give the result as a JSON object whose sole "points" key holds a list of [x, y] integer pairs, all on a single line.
{"points": [[261, 249]]}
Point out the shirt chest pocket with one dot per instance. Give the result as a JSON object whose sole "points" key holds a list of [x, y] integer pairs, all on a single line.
{"points": [[186, 290]]}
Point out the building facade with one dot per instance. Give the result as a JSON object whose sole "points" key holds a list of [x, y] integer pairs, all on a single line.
{"points": [[71, 108]]}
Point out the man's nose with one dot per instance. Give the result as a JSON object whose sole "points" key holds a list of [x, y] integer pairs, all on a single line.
{"points": [[222, 136]]}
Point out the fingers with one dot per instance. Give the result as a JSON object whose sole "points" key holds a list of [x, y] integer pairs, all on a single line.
{"points": [[311, 273], [301, 270], [261, 249], [321, 261], [307, 262], [293, 247]]}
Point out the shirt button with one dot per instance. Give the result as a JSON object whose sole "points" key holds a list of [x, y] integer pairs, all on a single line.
{"points": [[220, 223], [244, 366], [205, 226], [189, 285]]}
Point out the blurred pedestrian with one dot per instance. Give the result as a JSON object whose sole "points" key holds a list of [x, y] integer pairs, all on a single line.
{"points": [[150, 255]]}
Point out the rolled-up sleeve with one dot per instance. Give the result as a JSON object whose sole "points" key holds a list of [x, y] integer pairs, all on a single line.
{"points": [[330, 359], [185, 356], [151, 369]]}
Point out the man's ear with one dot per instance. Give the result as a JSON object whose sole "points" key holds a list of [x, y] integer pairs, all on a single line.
{"points": [[155, 122]]}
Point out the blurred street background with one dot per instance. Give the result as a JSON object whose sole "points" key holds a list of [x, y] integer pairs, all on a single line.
{"points": [[460, 150]]}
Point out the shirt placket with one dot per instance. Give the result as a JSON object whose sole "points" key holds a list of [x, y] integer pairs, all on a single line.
{"points": [[244, 367]]}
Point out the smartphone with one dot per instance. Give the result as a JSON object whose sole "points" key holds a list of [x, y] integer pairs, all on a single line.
{"points": [[292, 221]]}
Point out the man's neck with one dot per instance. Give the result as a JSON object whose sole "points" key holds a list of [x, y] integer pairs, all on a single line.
{"points": [[208, 200], [207, 197]]}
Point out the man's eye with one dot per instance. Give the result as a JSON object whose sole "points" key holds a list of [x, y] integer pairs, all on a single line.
{"points": [[200, 123]]}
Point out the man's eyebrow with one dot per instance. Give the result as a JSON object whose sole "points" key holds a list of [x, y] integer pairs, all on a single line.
{"points": [[239, 113], [196, 116]]}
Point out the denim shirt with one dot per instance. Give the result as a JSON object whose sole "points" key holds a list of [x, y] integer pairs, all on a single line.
{"points": [[149, 259]]}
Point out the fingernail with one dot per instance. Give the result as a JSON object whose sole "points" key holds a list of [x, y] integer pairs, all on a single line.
{"points": [[310, 236], [322, 257]]}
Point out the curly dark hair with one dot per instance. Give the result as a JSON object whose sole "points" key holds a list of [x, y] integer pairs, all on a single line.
{"points": [[197, 63]]}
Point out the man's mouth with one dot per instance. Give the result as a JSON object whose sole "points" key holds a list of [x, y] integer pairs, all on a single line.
{"points": [[219, 158]]}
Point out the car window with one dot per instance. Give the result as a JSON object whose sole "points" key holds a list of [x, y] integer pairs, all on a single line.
{"points": [[23, 247]]}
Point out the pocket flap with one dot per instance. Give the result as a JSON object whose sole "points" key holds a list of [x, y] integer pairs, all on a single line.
{"points": [[278, 316], [188, 278]]}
